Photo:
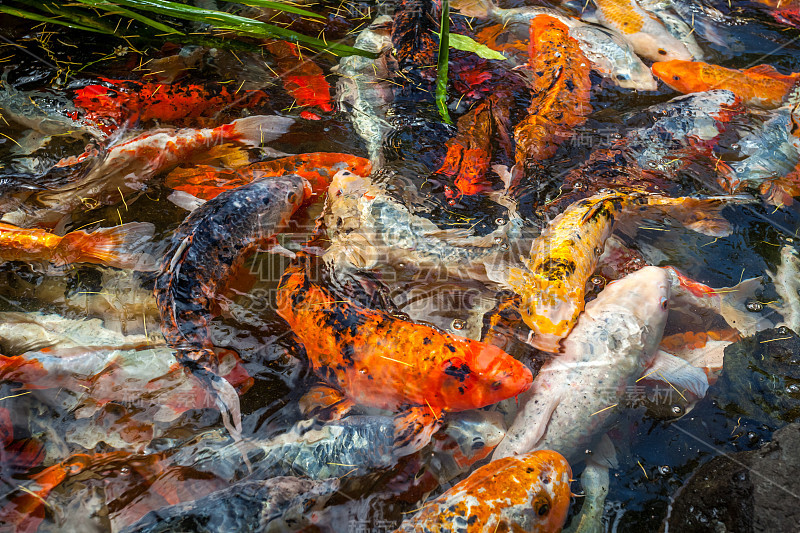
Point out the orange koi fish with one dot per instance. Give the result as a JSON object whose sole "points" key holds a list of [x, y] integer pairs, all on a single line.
{"points": [[127, 100], [381, 361], [120, 246], [560, 90], [525, 493], [648, 36], [103, 178], [552, 286], [761, 85], [318, 168], [470, 152], [302, 78]]}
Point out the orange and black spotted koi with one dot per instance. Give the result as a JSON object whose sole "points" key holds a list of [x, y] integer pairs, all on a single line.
{"points": [[124, 101], [382, 361], [204, 250], [414, 27], [524, 493], [318, 168], [560, 88], [470, 152]]}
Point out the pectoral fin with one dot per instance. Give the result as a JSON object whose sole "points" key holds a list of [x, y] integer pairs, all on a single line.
{"points": [[677, 372]]}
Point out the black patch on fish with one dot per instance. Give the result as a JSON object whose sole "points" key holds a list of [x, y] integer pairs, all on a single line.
{"points": [[459, 372], [556, 269], [426, 341]]}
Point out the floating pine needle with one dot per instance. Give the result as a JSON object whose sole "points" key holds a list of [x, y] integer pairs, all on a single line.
{"points": [[604, 409]]}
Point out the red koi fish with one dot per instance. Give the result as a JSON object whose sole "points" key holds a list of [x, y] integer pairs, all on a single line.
{"points": [[302, 78], [131, 101], [26, 511], [560, 87], [378, 360], [525, 493], [120, 246], [206, 182], [470, 152], [761, 85], [104, 178]]}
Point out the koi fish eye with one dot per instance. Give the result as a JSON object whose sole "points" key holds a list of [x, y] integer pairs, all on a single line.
{"points": [[496, 385], [291, 198], [622, 77], [664, 303], [676, 78], [662, 52]]}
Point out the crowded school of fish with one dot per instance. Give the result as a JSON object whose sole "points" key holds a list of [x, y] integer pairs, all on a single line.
{"points": [[471, 418]]}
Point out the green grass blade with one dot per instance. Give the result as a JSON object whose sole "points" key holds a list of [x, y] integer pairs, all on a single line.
{"points": [[235, 23], [279, 6], [41, 18], [442, 61], [119, 10]]}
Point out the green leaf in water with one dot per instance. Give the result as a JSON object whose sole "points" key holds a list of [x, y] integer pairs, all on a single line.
{"points": [[119, 10], [35, 16], [241, 25], [288, 8], [467, 44], [442, 61]]}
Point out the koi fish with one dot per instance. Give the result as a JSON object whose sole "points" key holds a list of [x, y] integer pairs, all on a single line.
{"points": [[367, 228], [302, 78], [675, 24], [560, 90], [318, 168], [202, 252], [163, 390], [649, 38], [378, 360], [483, 501], [703, 349], [649, 159], [413, 28], [32, 110], [26, 332], [761, 86], [614, 343], [364, 90], [277, 504], [125, 167], [125, 101], [772, 158], [608, 51], [693, 297], [785, 277], [121, 246], [553, 283], [470, 152]]}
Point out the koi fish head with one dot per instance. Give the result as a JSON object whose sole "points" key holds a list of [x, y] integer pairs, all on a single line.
{"points": [[551, 474], [644, 295], [481, 375], [683, 76]]}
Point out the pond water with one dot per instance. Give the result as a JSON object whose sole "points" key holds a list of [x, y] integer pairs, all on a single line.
{"points": [[101, 425]]}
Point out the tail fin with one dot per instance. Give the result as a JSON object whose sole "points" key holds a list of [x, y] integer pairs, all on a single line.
{"points": [[734, 310], [703, 215], [258, 129], [474, 8], [121, 247]]}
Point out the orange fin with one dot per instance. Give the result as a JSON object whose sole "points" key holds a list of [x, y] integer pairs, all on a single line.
{"points": [[325, 402], [764, 70], [121, 247], [414, 428]]}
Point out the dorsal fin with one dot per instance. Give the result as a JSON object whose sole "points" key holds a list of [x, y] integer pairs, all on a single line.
{"points": [[764, 70]]}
